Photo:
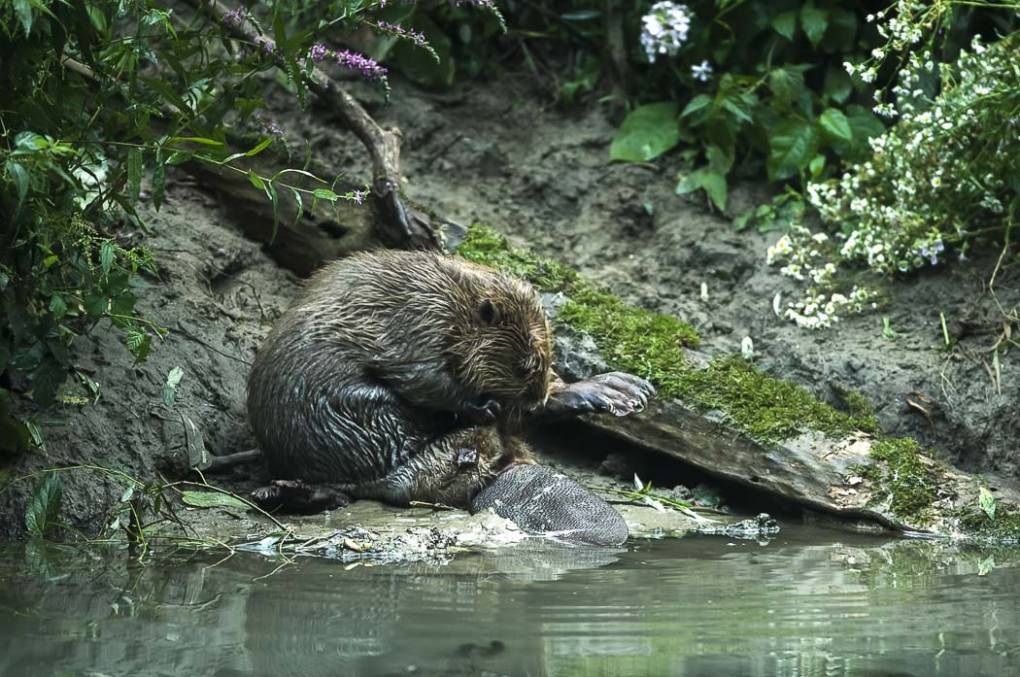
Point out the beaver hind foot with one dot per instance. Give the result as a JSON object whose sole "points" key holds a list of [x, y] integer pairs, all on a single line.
{"points": [[299, 497], [544, 502]]}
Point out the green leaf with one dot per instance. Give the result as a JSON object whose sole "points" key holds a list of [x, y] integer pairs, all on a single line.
{"points": [[139, 342], [816, 166], [299, 205], [581, 15], [274, 200], [30, 142], [739, 107], [864, 123], [325, 194], [262, 145], [213, 499], [712, 182], [35, 434], [134, 173], [838, 85], [21, 183], [57, 306], [842, 30], [792, 144], [698, 103], [786, 84], [23, 8], [785, 24], [987, 503], [719, 161], [835, 125], [256, 180], [195, 139], [743, 220], [44, 507], [158, 184], [106, 255], [173, 379], [97, 17], [646, 133], [814, 21]]}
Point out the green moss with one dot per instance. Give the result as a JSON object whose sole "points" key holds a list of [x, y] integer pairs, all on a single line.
{"points": [[767, 408], [861, 411], [905, 477], [651, 345], [1004, 527], [489, 248]]}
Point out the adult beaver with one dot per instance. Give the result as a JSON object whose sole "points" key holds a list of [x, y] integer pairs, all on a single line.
{"points": [[400, 376]]}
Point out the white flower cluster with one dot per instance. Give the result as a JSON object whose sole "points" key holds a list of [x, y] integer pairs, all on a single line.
{"points": [[664, 29], [820, 310], [808, 257], [934, 180]]}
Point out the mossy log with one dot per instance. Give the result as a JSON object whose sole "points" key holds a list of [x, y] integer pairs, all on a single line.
{"points": [[733, 421]]}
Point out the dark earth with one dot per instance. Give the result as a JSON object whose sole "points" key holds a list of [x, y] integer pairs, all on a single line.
{"points": [[497, 153]]}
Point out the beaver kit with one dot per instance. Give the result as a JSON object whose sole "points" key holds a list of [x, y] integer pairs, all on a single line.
{"points": [[405, 376]]}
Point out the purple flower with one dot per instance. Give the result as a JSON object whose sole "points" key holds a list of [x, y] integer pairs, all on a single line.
{"points": [[318, 52], [268, 125], [358, 196], [267, 45], [359, 63], [234, 18], [414, 36]]}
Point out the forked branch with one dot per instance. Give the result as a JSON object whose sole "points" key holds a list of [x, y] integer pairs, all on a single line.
{"points": [[398, 226]]}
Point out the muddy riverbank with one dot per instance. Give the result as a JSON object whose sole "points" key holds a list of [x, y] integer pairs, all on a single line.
{"points": [[493, 153]]}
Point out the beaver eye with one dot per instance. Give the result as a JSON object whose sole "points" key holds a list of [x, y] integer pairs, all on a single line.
{"points": [[488, 312]]}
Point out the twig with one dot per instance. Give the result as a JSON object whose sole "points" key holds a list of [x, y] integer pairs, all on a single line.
{"points": [[1002, 256], [256, 508], [187, 334], [434, 506], [383, 145], [217, 463]]}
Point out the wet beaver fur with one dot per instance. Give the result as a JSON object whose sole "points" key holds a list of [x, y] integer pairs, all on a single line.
{"points": [[401, 376]]}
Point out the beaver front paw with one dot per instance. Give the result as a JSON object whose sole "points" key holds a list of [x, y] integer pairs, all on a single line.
{"points": [[616, 393], [297, 496]]}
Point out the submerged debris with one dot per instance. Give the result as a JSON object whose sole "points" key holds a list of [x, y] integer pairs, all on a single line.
{"points": [[760, 528]]}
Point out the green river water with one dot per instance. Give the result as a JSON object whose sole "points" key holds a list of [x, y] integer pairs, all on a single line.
{"points": [[810, 602]]}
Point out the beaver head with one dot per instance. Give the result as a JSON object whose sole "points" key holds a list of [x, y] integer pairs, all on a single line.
{"points": [[504, 347]]}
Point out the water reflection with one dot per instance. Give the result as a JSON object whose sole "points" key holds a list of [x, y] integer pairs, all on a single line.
{"points": [[801, 605]]}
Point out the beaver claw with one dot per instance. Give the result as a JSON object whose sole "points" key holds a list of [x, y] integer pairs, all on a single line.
{"points": [[297, 496], [615, 393]]}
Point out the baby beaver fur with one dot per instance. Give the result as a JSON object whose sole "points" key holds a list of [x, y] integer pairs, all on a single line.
{"points": [[399, 376]]}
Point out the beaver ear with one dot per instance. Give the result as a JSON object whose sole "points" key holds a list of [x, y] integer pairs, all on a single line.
{"points": [[488, 312]]}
